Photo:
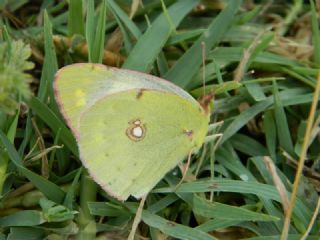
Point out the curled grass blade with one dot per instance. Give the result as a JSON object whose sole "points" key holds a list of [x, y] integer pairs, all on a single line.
{"points": [[140, 58]]}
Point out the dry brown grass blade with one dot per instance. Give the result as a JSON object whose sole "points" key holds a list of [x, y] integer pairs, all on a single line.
{"points": [[302, 157], [134, 8], [21, 190], [184, 170], [137, 219], [278, 183], [109, 58], [242, 67], [308, 171], [313, 219]]}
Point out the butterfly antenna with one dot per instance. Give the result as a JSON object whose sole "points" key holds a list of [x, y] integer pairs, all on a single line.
{"points": [[203, 48], [137, 218], [184, 171], [206, 98]]}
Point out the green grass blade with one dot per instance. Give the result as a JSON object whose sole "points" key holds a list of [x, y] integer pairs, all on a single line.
{"points": [[3, 156], [27, 135], [184, 36], [188, 65], [49, 117], [71, 193], [236, 186], [256, 91], [6, 37], [283, 130], [245, 117], [226, 212], [162, 203], [50, 65], [228, 158], [315, 33], [288, 97], [227, 55], [90, 26], [248, 145], [220, 88], [23, 219], [265, 173], [125, 35], [215, 224], [75, 18], [174, 229], [128, 23], [98, 46], [26, 233], [277, 237], [306, 80], [107, 209], [269, 127], [261, 46], [151, 42], [88, 191], [49, 189]]}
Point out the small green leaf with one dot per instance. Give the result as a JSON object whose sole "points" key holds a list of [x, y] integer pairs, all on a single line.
{"points": [[55, 213]]}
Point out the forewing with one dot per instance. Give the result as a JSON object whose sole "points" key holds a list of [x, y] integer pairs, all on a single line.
{"points": [[125, 165]]}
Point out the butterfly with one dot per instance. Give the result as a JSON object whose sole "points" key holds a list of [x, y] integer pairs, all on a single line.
{"points": [[131, 128]]}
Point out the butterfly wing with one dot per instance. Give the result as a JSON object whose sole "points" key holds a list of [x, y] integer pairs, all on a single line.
{"points": [[78, 86], [129, 140]]}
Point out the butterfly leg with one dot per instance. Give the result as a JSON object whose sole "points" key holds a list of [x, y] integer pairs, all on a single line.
{"points": [[215, 127], [184, 169], [214, 140], [137, 218], [215, 136]]}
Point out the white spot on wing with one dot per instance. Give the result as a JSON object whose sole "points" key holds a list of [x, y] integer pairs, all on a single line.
{"points": [[137, 132]]}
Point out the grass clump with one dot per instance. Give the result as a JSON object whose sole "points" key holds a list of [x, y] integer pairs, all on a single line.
{"points": [[262, 61]]}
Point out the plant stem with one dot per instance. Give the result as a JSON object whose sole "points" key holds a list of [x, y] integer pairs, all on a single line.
{"points": [[86, 220], [285, 230]]}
